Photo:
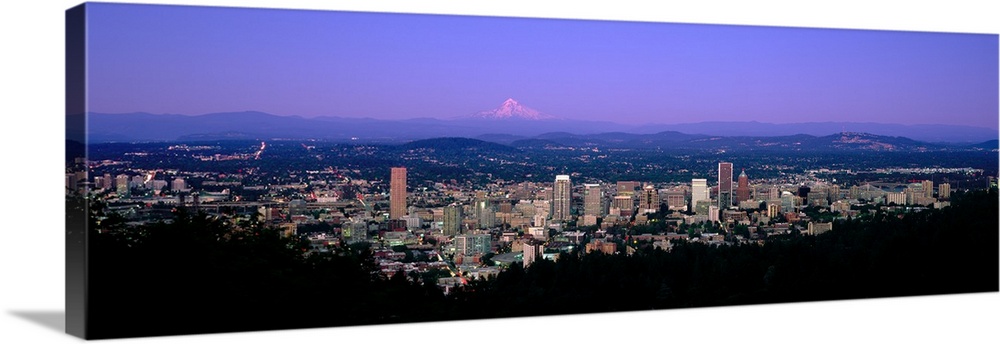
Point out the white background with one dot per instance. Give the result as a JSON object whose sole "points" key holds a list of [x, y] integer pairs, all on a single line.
{"points": [[32, 72]]}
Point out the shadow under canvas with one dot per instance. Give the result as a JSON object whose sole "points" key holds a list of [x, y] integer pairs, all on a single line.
{"points": [[54, 320]]}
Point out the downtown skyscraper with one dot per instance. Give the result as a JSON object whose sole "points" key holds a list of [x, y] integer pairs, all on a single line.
{"points": [[593, 200], [561, 198], [742, 188], [452, 221], [725, 196], [699, 191], [649, 200], [397, 193]]}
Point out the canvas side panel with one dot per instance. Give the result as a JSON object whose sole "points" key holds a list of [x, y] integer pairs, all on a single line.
{"points": [[76, 173]]}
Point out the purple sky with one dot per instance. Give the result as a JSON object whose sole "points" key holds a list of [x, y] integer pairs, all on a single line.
{"points": [[195, 60]]}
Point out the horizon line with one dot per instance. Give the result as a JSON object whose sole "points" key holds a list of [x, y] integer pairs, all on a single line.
{"points": [[549, 119]]}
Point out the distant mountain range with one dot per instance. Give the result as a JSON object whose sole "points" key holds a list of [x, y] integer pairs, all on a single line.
{"points": [[509, 123], [675, 140], [842, 142], [921, 132]]}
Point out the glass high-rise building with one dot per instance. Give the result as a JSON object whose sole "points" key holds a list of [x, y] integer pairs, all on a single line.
{"points": [[452, 221], [561, 198]]}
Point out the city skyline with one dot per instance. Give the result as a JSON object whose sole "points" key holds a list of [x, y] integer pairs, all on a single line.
{"points": [[396, 66]]}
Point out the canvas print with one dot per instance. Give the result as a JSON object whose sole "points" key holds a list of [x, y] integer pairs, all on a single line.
{"points": [[261, 169]]}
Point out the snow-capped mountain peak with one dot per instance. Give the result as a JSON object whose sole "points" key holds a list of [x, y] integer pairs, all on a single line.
{"points": [[511, 109]]}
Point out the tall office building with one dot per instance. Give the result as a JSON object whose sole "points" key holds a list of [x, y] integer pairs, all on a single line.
{"points": [[561, 198], [532, 251], [397, 193], [928, 187], [137, 182], [833, 192], [624, 205], [713, 213], [121, 183], [452, 220], [773, 193], [649, 200], [898, 198], [177, 185], [593, 200], [699, 191], [742, 188], [773, 209], [788, 202], [944, 191], [818, 197], [485, 214], [725, 185]]}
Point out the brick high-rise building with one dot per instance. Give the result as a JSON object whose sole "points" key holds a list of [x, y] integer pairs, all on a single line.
{"points": [[675, 199], [725, 198], [397, 193], [742, 188], [649, 200], [624, 205]]}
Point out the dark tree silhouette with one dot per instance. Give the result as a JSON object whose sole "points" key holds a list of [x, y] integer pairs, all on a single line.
{"points": [[200, 274]]}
